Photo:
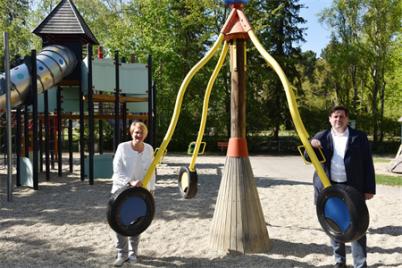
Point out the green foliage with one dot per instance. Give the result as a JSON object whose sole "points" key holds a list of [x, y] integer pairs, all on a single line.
{"points": [[14, 20], [360, 67], [277, 24], [362, 58], [393, 94]]}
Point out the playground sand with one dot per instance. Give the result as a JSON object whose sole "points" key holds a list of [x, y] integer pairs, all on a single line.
{"points": [[64, 223]]}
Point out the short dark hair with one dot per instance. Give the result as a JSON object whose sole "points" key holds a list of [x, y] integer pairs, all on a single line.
{"points": [[339, 108]]}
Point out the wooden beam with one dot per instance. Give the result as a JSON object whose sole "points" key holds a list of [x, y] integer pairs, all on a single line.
{"points": [[110, 98], [141, 117]]}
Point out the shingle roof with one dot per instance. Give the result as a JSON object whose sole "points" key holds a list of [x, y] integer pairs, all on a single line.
{"points": [[65, 20]]}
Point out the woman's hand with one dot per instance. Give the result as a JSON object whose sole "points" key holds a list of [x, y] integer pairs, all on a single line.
{"points": [[135, 183]]}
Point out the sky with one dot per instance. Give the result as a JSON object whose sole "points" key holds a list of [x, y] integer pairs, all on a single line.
{"points": [[317, 35]]}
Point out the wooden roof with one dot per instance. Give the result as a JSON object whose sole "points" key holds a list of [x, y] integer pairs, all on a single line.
{"points": [[65, 21]]}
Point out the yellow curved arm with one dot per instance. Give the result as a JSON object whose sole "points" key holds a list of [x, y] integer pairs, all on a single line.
{"points": [[205, 104], [177, 108], [294, 112]]}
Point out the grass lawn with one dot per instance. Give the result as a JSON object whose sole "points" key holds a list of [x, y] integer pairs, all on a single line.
{"points": [[388, 180]]}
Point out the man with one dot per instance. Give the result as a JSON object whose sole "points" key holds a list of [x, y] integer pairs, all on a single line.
{"points": [[349, 161]]}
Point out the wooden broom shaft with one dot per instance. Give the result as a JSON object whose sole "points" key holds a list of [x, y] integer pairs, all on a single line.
{"points": [[238, 88]]}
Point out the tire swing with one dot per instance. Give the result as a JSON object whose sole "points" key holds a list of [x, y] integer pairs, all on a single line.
{"points": [[187, 181], [342, 213], [131, 210]]}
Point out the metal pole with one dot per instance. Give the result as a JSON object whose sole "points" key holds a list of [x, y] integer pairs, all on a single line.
{"points": [[116, 103], [91, 136], [40, 145], [82, 134], [35, 140], [52, 142], [70, 144], [47, 134], [153, 111], [18, 147], [8, 116], [26, 130], [59, 133], [124, 120], [151, 115], [100, 122]]}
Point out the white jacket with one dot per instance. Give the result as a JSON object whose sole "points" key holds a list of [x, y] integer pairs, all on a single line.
{"points": [[131, 165]]}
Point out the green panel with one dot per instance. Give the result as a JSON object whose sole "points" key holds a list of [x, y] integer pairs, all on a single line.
{"points": [[137, 107], [52, 100], [71, 100], [103, 166], [103, 75], [134, 78], [70, 96]]}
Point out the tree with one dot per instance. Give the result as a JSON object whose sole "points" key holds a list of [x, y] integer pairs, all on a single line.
{"points": [[344, 53], [13, 20], [359, 55], [381, 24], [277, 25], [393, 94], [177, 34]]}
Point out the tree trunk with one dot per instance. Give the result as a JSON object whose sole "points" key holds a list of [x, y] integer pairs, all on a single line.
{"points": [[374, 104], [382, 96], [355, 88]]}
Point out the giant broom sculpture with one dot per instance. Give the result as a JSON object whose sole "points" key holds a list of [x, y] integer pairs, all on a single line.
{"points": [[238, 223]]}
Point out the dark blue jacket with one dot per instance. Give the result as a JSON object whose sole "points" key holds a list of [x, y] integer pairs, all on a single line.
{"points": [[358, 161]]}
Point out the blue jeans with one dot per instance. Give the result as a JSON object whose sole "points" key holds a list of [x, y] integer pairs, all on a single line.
{"points": [[359, 252]]}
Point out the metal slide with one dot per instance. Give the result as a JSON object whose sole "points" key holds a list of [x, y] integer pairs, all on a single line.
{"points": [[53, 63]]}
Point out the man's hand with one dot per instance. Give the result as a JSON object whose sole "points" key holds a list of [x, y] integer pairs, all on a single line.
{"points": [[368, 196], [315, 143], [136, 183]]}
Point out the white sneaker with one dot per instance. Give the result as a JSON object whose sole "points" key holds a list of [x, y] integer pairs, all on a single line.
{"points": [[132, 258], [119, 261]]}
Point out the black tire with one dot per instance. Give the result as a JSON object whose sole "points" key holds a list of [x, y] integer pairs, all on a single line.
{"points": [[131, 210], [187, 183], [342, 213]]}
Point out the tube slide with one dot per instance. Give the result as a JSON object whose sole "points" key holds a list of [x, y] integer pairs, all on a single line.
{"points": [[53, 63]]}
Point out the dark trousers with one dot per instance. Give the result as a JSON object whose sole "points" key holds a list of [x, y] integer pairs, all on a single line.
{"points": [[359, 252]]}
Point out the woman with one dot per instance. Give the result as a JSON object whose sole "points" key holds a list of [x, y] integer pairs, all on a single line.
{"points": [[131, 161]]}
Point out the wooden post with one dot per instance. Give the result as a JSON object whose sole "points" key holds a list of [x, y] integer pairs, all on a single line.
{"points": [[238, 224]]}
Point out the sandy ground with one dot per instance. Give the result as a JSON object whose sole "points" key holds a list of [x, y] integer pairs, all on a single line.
{"points": [[64, 223]]}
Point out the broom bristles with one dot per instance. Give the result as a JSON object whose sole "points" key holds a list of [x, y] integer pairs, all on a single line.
{"points": [[238, 223]]}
